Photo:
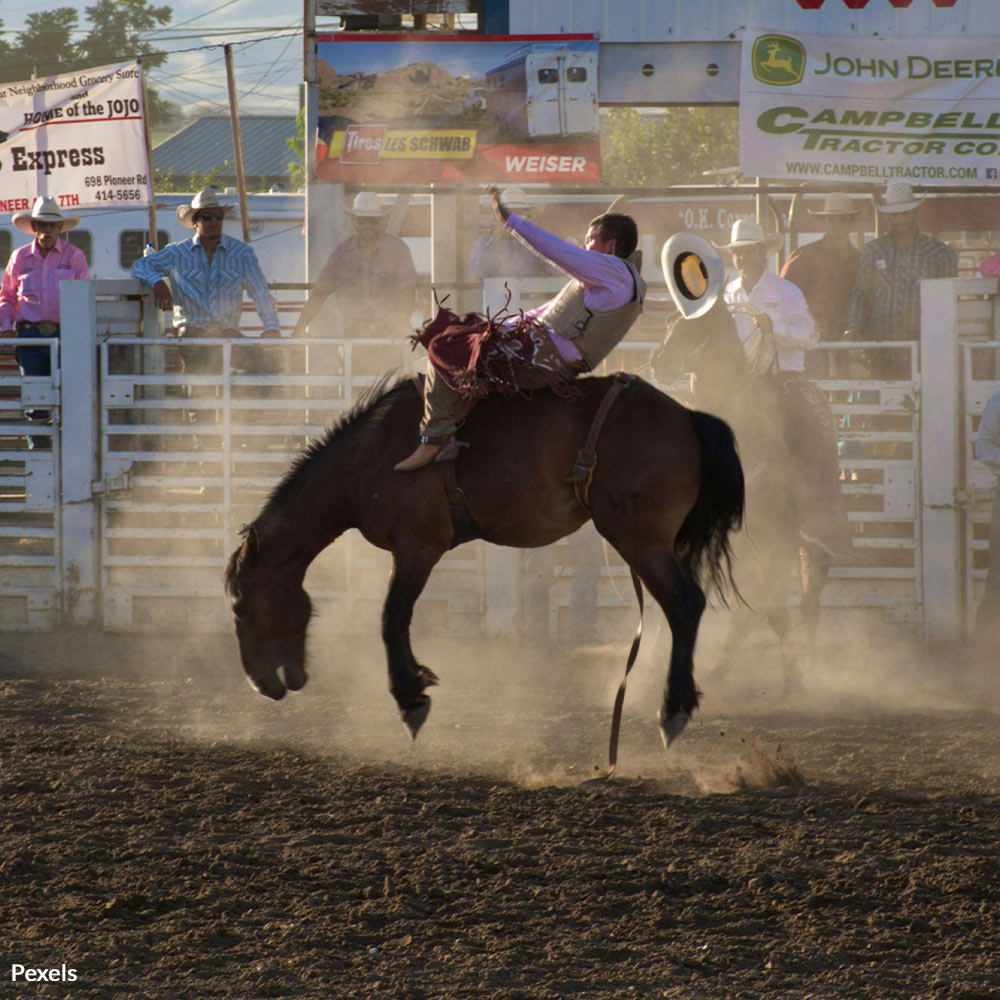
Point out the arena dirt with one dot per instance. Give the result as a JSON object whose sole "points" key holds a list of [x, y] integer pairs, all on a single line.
{"points": [[168, 834]]}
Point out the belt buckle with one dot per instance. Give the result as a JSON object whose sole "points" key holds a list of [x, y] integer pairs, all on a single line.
{"points": [[47, 328]]}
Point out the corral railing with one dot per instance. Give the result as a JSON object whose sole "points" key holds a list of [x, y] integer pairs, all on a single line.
{"points": [[128, 520], [31, 588]]}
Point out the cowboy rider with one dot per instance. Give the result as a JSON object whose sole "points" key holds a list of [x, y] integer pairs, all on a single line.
{"points": [[547, 346], [771, 314]]}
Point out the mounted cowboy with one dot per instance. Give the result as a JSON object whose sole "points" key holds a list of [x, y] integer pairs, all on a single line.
{"points": [[472, 356], [776, 330]]}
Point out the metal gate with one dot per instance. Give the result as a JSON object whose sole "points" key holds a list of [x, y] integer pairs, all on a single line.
{"points": [[31, 594], [981, 379], [128, 521], [186, 460]]}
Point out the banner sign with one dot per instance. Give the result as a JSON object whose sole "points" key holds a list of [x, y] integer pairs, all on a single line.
{"points": [[844, 108], [458, 108], [78, 138]]}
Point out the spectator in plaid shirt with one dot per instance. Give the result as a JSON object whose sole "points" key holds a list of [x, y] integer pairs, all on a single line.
{"points": [[885, 302]]}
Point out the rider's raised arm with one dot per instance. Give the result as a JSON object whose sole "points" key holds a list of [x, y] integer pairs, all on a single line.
{"points": [[601, 273]]}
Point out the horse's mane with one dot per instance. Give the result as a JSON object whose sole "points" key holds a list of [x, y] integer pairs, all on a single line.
{"points": [[368, 402]]}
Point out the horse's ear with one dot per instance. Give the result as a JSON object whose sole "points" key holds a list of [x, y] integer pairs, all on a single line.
{"points": [[243, 558], [694, 273], [250, 549]]}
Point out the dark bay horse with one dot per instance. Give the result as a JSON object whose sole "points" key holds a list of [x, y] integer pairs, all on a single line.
{"points": [[666, 492], [728, 382]]}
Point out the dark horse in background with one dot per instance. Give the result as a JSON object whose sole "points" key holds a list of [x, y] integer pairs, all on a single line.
{"points": [[729, 382], [667, 491]]}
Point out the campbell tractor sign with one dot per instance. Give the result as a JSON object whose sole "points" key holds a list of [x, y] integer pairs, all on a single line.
{"points": [[829, 108]]}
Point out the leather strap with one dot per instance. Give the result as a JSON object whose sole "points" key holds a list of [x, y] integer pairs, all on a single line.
{"points": [[586, 459], [616, 715]]}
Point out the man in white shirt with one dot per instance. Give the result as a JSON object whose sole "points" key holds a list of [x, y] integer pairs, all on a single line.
{"points": [[777, 329], [764, 304]]}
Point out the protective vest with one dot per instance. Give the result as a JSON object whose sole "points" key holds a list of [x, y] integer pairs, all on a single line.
{"points": [[595, 334]]}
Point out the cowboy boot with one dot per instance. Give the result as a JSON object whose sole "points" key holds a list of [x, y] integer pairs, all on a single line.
{"points": [[428, 451]]}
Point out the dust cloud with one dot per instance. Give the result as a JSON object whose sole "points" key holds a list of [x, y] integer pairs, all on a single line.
{"points": [[539, 715]]}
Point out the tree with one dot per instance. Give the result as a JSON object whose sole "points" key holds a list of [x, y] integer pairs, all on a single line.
{"points": [[46, 47], [4, 46], [673, 147], [297, 145]]}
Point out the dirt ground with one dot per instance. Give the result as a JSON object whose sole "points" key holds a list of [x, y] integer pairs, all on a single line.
{"points": [[168, 833]]}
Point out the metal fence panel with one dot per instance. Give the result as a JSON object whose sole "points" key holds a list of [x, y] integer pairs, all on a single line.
{"points": [[30, 578]]}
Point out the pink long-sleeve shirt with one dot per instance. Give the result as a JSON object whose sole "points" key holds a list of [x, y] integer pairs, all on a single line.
{"points": [[607, 281], [990, 267], [29, 290]]}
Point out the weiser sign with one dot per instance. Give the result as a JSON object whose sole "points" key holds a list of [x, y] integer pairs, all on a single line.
{"points": [[77, 137], [843, 108], [457, 108]]}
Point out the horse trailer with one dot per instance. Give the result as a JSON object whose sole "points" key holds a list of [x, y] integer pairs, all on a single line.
{"points": [[542, 93]]}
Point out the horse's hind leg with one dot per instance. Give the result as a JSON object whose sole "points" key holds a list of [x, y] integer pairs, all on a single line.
{"points": [[683, 602], [814, 565], [407, 677]]}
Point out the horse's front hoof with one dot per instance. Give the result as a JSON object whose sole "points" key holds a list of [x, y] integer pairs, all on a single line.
{"points": [[415, 717], [671, 726]]}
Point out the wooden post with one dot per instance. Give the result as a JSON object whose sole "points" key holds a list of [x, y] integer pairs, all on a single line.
{"points": [[149, 158], [234, 117]]}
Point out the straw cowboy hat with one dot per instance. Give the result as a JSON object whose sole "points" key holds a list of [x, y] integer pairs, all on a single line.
{"points": [[898, 197], [747, 233], [836, 204], [694, 273], [204, 199], [44, 209], [366, 206]]}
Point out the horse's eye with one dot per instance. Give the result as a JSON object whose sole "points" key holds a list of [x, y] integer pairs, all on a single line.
{"points": [[241, 607]]}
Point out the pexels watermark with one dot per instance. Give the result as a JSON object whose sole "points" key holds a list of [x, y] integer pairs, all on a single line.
{"points": [[28, 974]]}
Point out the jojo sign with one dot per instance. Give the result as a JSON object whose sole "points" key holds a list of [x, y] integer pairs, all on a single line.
{"points": [[78, 137], [458, 108], [843, 108]]}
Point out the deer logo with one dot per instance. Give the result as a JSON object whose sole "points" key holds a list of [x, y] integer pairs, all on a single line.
{"points": [[778, 60]]}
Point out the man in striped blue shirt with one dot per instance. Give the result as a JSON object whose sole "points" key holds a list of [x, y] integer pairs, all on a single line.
{"points": [[202, 280]]}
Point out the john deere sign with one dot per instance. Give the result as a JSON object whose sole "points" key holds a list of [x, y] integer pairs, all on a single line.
{"points": [[825, 107], [778, 61]]}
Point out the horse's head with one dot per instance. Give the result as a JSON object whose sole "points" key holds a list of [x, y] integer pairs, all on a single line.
{"points": [[271, 614], [707, 346]]}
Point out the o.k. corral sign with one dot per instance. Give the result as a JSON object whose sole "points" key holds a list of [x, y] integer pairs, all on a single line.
{"points": [[459, 109], [843, 108]]}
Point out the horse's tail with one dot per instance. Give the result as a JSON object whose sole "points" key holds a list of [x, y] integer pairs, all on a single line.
{"points": [[702, 544]]}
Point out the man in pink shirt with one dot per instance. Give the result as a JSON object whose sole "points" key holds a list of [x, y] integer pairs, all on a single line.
{"points": [[29, 290], [546, 347]]}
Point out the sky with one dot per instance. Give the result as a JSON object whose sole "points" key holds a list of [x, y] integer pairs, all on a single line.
{"points": [[266, 46]]}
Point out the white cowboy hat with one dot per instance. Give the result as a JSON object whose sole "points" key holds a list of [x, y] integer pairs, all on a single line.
{"points": [[836, 204], [747, 233], [204, 199], [366, 206], [693, 271], [898, 197], [44, 209], [514, 198]]}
